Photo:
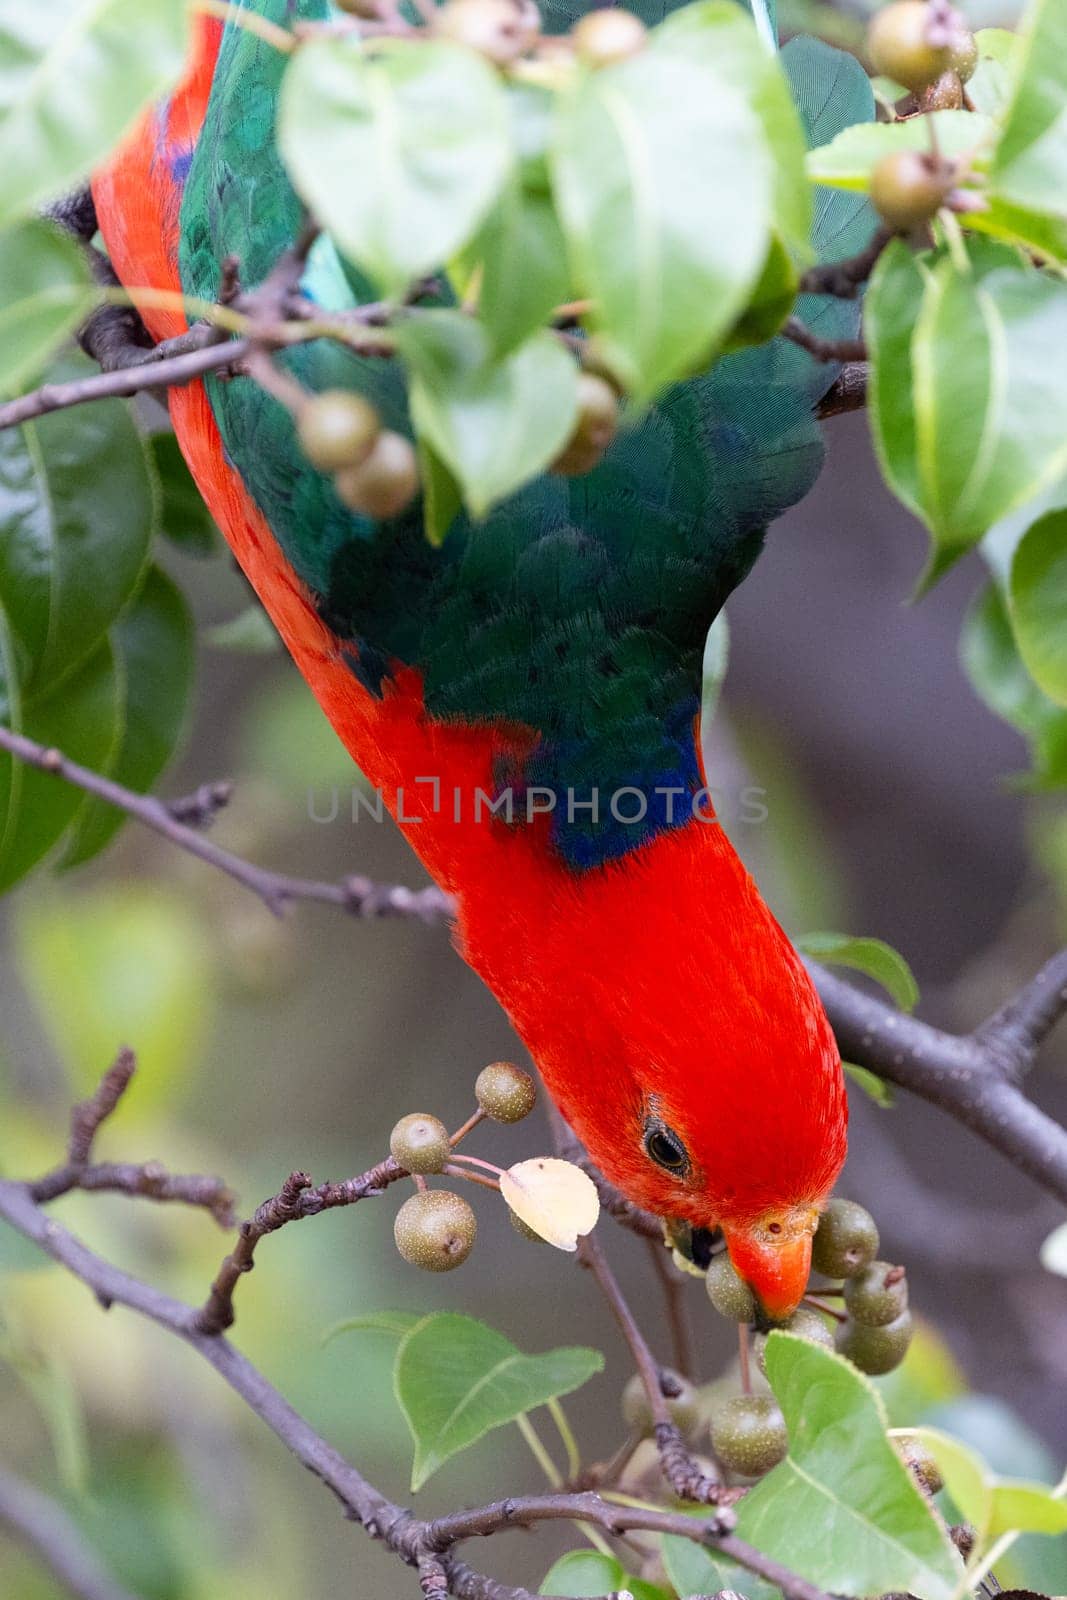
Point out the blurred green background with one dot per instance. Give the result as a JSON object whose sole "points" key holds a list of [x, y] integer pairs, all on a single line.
{"points": [[266, 1046]]}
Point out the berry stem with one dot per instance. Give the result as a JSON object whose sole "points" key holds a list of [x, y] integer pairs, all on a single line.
{"points": [[744, 1352], [467, 1127], [567, 1438], [472, 1177], [829, 1311], [419, 1181], [476, 1161]]}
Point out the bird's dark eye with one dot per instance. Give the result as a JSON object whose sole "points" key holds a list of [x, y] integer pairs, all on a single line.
{"points": [[663, 1146]]}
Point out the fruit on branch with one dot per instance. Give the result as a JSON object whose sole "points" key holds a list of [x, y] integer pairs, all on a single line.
{"points": [[845, 1240], [500, 30], [435, 1230], [505, 1092], [596, 426], [683, 1405], [944, 94], [420, 1143], [909, 187], [748, 1434], [875, 1350], [337, 429], [607, 36], [915, 41], [806, 1324], [728, 1291], [385, 483], [877, 1295]]}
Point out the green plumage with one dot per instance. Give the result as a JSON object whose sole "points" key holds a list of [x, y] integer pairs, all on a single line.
{"points": [[580, 607]]}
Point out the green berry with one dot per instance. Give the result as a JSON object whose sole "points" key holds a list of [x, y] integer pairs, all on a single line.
{"points": [[944, 94], [419, 1143], [898, 43], [845, 1240], [505, 1092], [964, 55], [608, 35], [500, 30], [728, 1291], [523, 1229], [908, 188], [385, 483], [921, 1463], [435, 1230], [807, 1325], [337, 429], [875, 1350], [595, 426], [683, 1405], [877, 1295], [748, 1434]]}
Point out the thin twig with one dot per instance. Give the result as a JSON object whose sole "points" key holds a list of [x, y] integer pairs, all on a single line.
{"points": [[847, 393], [150, 374], [674, 1286], [823, 349], [845, 279], [42, 1525], [355, 894]]}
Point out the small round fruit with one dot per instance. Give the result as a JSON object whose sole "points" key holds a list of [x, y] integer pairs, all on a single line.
{"points": [[728, 1291], [748, 1434], [505, 1092], [500, 30], [435, 1230], [595, 426], [683, 1405], [523, 1229], [385, 482], [877, 1295], [367, 10], [908, 188], [845, 1240], [921, 1462], [419, 1143], [875, 1350], [337, 429], [608, 35], [899, 47], [807, 1325]]}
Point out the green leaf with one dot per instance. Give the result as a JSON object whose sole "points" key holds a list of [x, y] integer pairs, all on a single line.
{"points": [[666, 243], [524, 266], [992, 662], [50, 1383], [871, 956], [456, 1380], [848, 160], [184, 519], [46, 292], [587, 1572], [1030, 165], [73, 75], [494, 423], [394, 1323], [874, 1087], [891, 306], [1037, 603], [694, 1569], [83, 718], [992, 1505], [970, 418], [989, 86], [441, 498], [423, 124], [127, 963], [842, 1510], [154, 647], [77, 510], [249, 633], [717, 35]]}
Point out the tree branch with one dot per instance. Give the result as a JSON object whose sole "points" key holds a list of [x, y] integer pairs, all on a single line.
{"points": [[426, 1546], [42, 1525]]}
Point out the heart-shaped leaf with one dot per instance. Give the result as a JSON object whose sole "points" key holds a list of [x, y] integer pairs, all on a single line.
{"points": [[457, 1379], [842, 1509]]}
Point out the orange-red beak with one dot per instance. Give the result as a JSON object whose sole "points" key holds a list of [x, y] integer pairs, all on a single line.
{"points": [[774, 1258]]}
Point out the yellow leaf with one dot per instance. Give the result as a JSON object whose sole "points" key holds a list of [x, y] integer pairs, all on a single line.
{"points": [[554, 1198]]}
